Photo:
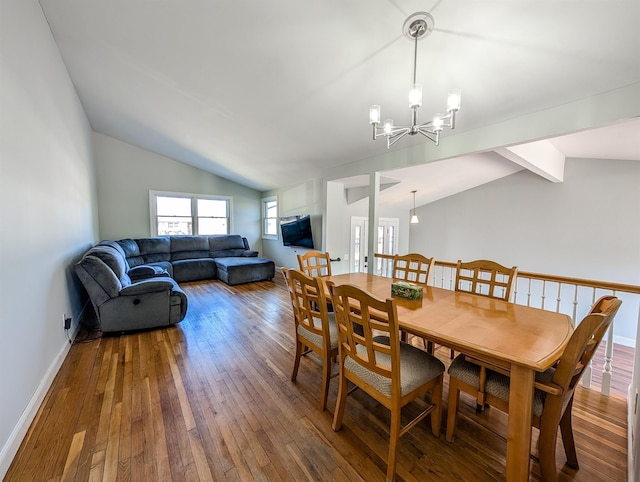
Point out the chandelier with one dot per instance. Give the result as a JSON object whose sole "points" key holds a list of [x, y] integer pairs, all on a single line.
{"points": [[419, 25]]}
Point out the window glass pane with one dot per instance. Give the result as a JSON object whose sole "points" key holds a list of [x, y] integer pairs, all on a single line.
{"points": [[212, 207], [174, 225], [392, 241], [270, 227], [173, 206], [212, 226], [271, 209], [356, 248]]}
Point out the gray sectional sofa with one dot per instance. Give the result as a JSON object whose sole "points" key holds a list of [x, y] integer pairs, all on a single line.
{"points": [[133, 283]]}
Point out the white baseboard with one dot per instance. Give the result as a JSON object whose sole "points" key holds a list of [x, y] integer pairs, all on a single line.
{"points": [[12, 445], [621, 340]]}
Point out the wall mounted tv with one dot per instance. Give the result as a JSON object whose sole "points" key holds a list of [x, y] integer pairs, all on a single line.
{"points": [[296, 231]]}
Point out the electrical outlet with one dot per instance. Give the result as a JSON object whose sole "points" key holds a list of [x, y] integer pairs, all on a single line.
{"points": [[66, 322]]}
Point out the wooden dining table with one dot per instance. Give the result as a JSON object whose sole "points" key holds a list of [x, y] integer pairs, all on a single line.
{"points": [[521, 339]]}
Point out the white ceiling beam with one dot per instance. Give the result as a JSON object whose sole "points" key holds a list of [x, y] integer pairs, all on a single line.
{"points": [[540, 157]]}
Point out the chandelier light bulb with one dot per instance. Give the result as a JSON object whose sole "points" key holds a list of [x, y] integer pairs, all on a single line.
{"points": [[438, 122], [374, 114], [453, 101], [415, 96], [388, 126]]}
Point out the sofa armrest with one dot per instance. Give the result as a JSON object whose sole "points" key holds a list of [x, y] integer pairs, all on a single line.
{"points": [[145, 271], [147, 286]]}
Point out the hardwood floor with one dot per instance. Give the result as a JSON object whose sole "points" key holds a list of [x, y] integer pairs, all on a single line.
{"points": [[211, 399]]}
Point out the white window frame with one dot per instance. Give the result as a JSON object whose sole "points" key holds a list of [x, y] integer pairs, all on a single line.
{"points": [[263, 217], [153, 212]]}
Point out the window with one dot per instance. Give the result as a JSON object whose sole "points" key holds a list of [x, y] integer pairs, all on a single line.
{"points": [[270, 218], [176, 213]]}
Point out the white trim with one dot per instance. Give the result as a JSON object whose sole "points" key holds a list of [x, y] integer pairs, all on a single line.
{"points": [[621, 340], [20, 430], [263, 201]]}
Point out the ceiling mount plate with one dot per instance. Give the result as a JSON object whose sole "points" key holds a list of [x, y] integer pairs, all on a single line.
{"points": [[419, 24]]}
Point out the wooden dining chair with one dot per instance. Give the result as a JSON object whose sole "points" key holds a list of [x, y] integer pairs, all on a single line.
{"points": [[392, 372], [315, 263], [413, 268], [485, 278], [315, 327], [554, 388], [416, 269]]}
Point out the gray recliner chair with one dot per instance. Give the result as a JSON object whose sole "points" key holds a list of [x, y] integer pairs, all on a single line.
{"points": [[123, 305]]}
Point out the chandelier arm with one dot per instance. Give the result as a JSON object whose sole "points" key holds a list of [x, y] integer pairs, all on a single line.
{"points": [[444, 118], [380, 132], [391, 140], [433, 136]]}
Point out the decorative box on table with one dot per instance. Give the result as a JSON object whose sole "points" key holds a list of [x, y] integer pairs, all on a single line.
{"points": [[406, 290]]}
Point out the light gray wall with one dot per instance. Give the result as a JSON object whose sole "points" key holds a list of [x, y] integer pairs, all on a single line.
{"points": [[304, 198], [327, 201], [127, 173], [47, 213], [587, 226], [338, 227]]}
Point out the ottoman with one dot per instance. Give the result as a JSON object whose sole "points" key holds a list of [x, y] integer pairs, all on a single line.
{"points": [[238, 270]]}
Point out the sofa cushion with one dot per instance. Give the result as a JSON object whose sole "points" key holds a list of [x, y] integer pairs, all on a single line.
{"points": [[155, 249], [194, 269], [223, 242], [132, 250], [116, 246], [189, 247], [240, 270], [145, 271], [114, 260], [147, 286], [102, 275], [229, 253]]}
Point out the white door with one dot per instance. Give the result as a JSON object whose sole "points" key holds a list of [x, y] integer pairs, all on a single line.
{"points": [[386, 243], [359, 230]]}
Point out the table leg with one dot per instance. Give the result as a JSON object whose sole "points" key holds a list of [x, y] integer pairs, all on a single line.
{"points": [[519, 428]]}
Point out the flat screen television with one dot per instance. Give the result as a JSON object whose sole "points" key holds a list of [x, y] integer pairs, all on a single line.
{"points": [[296, 231]]}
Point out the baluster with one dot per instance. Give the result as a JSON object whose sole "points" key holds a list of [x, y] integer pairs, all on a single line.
{"points": [[607, 371], [544, 291], [574, 317], [558, 298], [588, 371], [529, 292]]}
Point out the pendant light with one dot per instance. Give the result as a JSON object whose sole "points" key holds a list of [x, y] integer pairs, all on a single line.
{"points": [[414, 216]]}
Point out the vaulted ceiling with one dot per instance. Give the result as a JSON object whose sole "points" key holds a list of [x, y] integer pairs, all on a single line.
{"points": [[270, 94]]}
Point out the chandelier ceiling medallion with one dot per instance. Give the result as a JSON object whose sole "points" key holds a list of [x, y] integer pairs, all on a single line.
{"points": [[417, 26]]}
